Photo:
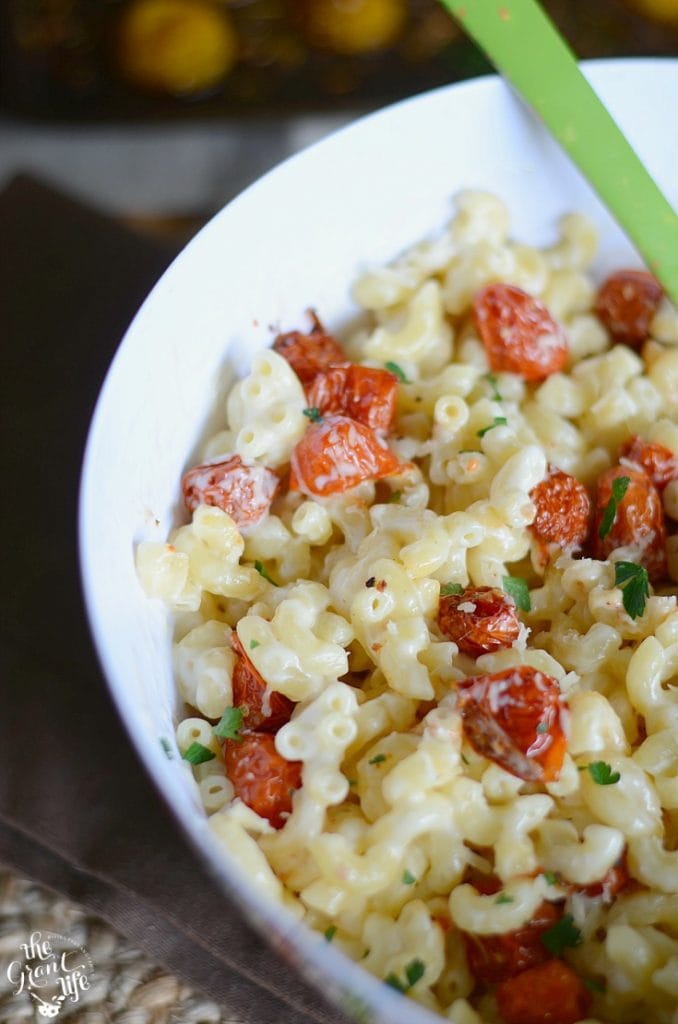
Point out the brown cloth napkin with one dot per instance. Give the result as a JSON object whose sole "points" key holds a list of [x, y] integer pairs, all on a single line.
{"points": [[77, 812]]}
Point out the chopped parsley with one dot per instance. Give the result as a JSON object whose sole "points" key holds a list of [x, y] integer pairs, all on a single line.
{"points": [[230, 725], [259, 566], [498, 421], [602, 774], [634, 584], [504, 897], [542, 728], [593, 985], [398, 371], [377, 759], [564, 934], [254, 644], [313, 414], [165, 744], [494, 384], [517, 588], [408, 877], [413, 972], [450, 589], [619, 488], [330, 932], [197, 753], [551, 878]]}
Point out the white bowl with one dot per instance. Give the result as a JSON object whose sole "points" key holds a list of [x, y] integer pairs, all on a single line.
{"points": [[296, 238]]}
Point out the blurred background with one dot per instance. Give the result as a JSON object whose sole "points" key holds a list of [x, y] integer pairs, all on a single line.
{"points": [[159, 111]]}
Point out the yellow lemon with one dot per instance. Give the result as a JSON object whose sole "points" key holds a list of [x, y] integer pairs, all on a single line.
{"points": [[662, 10], [179, 47], [354, 26]]}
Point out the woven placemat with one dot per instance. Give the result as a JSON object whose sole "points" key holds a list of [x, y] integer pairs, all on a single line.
{"points": [[125, 985]]}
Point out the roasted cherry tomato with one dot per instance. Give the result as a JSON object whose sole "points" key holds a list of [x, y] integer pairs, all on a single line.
{"points": [[563, 510], [660, 464], [518, 332], [337, 453], [366, 395], [612, 882], [484, 883], [307, 354], [626, 303], [262, 779], [243, 490], [249, 694], [550, 993], [638, 522], [479, 620], [514, 718], [494, 958]]}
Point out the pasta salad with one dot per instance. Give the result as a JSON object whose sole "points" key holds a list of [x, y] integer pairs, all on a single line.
{"points": [[426, 628]]}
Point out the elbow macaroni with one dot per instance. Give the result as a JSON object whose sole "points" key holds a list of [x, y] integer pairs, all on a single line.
{"points": [[396, 807]]}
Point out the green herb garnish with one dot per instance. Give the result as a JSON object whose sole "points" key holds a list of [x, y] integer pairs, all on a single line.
{"points": [[230, 725], [602, 774], [564, 934], [313, 414], [594, 986], [167, 748], [198, 754], [259, 566], [498, 421], [396, 496], [517, 588], [413, 972], [619, 488], [504, 897], [542, 728], [330, 932], [494, 384], [551, 878], [377, 759], [398, 371], [254, 644], [408, 877], [451, 589], [634, 584]]}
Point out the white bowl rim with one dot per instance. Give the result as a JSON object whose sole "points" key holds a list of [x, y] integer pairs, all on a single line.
{"points": [[322, 958]]}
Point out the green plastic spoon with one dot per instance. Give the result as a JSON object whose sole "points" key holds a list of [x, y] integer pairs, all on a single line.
{"points": [[526, 48]]}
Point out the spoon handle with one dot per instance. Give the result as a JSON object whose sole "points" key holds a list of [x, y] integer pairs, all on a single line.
{"points": [[525, 46]]}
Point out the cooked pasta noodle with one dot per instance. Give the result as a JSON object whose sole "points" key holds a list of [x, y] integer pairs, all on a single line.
{"points": [[343, 634]]}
